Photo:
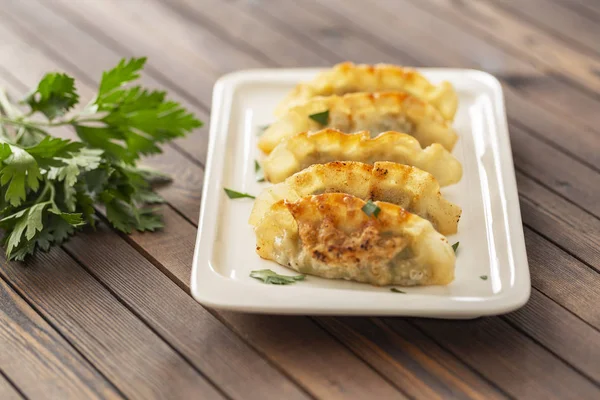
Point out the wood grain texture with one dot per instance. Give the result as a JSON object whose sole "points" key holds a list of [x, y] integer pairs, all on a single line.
{"points": [[416, 364], [560, 221], [179, 319], [38, 360], [523, 40], [576, 102], [559, 20], [522, 368], [564, 279], [116, 342], [7, 390]]}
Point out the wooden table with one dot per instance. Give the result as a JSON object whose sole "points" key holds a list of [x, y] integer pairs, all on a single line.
{"points": [[110, 316]]}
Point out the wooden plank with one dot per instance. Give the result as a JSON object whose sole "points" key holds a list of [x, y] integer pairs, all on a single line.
{"points": [[7, 390], [564, 279], [556, 170], [113, 339], [557, 19], [406, 356], [560, 221], [315, 358], [520, 38], [38, 360], [561, 332], [579, 103], [590, 8], [523, 368], [176, 317]]}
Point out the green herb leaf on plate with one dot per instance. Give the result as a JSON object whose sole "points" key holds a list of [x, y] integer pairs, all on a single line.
{"points": [[232, 194], [271, 277], [455, 246], [261, 129], [397, 290], [260, 176], [371, 209], [483, 277], [322, 117]]}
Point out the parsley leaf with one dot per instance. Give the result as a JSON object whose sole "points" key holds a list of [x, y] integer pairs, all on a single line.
{"points": [[260, 176], [397, 290], [483, 277], [232, 194], [322, 117], [262, 129], [371, 208], [455, 246], [54, 96], [20, 171], [273, 278]]}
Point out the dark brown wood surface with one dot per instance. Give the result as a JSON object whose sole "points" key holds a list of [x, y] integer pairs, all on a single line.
{"points": [[110, 316]]}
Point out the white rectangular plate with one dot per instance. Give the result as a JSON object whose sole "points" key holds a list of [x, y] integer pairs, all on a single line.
{"points": [[492, 275]]}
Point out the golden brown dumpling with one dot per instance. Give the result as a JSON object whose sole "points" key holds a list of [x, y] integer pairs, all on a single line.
{"points": [[416, 191], [350, 78], [305, 149], [330, 236], [373, 112]]}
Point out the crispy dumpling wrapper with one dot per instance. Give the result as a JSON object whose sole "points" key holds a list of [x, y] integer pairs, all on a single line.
{"points": [[373, 112], [305, 149], [330, 236], [411, 188], [350, 78]]}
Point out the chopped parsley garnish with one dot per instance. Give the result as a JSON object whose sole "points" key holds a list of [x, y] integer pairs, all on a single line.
{"points": [[483, 277], [397, 290], [322, 117], [262, 129], [260, 176], [455, 246], [232, 194], [371, 208], [273, 278]]}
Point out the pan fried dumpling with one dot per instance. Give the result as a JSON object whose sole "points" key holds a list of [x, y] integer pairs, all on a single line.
{"points": [[350, 78], [374, 112], [416, 191], [305, 149], [329, 235]]}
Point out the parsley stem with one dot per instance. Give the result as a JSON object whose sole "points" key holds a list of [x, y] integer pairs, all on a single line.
{"points": [[44, 191]]}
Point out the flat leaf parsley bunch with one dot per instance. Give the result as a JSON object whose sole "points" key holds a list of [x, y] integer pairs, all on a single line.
{"points": [[49, 186]]}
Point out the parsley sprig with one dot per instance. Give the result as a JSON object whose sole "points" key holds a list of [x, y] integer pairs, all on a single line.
{"points": [[49, 186]]}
